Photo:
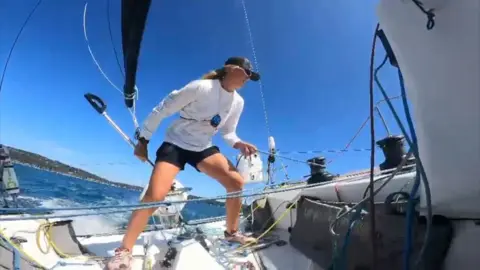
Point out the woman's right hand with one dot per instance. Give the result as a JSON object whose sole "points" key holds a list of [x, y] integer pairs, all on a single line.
{"points": [[141, 151]]}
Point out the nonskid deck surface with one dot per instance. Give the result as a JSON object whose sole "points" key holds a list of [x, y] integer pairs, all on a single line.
{"points": [[98, 248], [281, 257], [62, 250]]}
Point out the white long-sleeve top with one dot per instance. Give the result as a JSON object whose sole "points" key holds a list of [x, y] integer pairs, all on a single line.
{"points": [[198, 102]]}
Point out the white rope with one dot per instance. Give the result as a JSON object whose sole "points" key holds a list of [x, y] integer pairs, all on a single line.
{"points": [[134, 96], [134, 117], [90, 49]]}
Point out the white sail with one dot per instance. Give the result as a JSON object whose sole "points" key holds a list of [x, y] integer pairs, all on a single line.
{"points": [[438, 67]]}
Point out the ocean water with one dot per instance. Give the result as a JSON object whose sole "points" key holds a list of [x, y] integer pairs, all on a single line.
{"points": [[39, 188]]}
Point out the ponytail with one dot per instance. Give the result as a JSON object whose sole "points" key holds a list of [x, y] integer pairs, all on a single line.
{"points": [[216, 74]]}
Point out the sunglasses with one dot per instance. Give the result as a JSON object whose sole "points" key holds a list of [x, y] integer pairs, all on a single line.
{"points": [[246, 71]]}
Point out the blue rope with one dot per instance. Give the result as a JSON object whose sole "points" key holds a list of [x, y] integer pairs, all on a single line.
{"points": [[339, 260], [413, 193], [16, 254], [419, 163], [16, 259]]}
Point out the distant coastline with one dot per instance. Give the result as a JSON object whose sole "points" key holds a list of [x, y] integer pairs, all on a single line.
{"points": [[30, 159], [34, 160]]}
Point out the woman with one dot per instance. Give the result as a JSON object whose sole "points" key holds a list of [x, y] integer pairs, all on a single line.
{"points": [[205, 106]]}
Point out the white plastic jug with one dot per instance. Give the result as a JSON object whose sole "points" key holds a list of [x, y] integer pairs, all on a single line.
{"points": [[250, 168]]}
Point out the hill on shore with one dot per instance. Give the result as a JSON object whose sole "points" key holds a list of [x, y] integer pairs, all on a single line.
{"points": [[38, 161], [44, 163]]}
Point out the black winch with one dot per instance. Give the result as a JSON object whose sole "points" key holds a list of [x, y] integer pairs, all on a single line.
{"points": [[394, 152], [318, 172]]}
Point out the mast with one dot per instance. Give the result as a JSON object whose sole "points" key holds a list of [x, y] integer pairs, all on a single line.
{"points": [[134, 17]]}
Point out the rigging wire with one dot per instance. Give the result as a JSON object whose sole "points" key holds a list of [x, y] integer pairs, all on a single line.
{"points": [[111, 39], [345, 149], [385, 181], [135, 162], [383, 121], [91, 52], [125, 208], [262, 95], [16, 39], [239, 194], [337, 259], [256, 66], [372, 149], [372, 155], [132, 110], [372, 130]]}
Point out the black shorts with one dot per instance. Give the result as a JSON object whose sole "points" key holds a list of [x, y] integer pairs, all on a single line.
{"points": [[177, 156]]}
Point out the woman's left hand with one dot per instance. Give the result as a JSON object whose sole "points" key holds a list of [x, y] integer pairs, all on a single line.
{"points": [[247, 149]]}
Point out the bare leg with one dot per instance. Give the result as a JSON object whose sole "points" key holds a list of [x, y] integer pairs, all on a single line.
{"points": [[161, 181], [220, 168]]}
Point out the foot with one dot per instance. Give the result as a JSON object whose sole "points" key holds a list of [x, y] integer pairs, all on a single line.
{"points": [[121, 261], [238, 237]]}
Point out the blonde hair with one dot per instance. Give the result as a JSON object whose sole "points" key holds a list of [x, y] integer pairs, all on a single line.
{"points": [[215, 74], [218, 73]]}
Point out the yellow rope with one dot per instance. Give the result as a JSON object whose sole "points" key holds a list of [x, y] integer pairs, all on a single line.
{"points": [[19, 249], [50, 244], [260, 205], [46, 228], [282, 216], [249, 215]]}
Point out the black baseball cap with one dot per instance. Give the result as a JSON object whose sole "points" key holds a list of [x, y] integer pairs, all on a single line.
{"points": [[245, 64]]}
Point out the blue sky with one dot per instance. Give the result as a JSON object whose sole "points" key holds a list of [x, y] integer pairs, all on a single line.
{"points": [[313, 56]]}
